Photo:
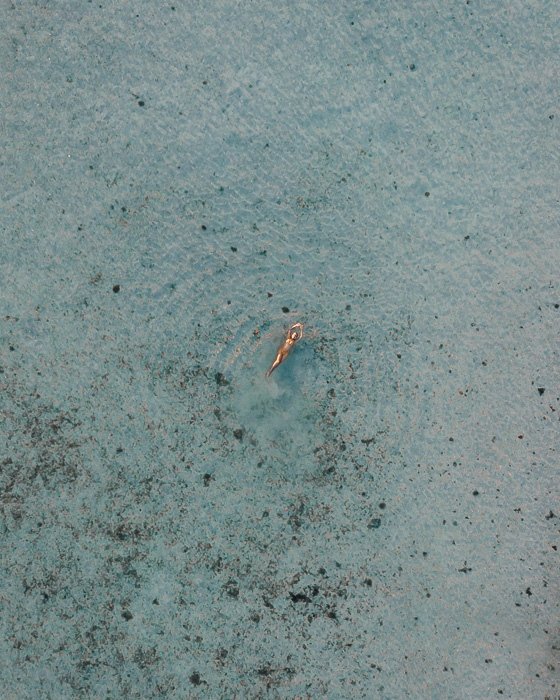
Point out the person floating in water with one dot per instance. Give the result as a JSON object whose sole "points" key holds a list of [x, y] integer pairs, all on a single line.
{"points": [[295, 333]]}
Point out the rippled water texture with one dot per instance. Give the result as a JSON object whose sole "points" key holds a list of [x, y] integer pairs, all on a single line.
{"points": [[380, 518]]}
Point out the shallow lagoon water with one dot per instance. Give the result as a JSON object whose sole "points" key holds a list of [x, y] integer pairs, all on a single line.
{"points": [[379, 519]]}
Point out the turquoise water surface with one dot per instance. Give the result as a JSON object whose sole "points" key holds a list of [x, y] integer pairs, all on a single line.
{"points": [[181, 183]]}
